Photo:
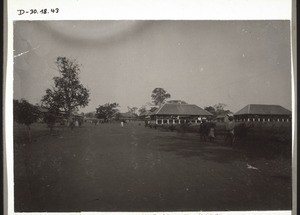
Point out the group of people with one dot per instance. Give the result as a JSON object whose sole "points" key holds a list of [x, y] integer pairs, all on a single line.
{"points": [[207, 130], [72, 122]]}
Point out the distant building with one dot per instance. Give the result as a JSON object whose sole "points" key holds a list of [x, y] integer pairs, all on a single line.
{"points": [[145, 115], [263, 113], [178, 113], [93, 120], [127, 116]]}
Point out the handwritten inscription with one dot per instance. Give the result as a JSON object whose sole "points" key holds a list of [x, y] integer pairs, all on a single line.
{"points": [[36, 11]]}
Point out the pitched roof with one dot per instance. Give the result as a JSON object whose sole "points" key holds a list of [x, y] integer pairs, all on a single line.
{"points": [[145, 113], [181, 109], [260, 109]]}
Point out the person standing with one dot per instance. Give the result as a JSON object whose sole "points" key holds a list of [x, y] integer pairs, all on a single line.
{"points": [[211, 134], [122, 123], [203, 129], [230, 125]]}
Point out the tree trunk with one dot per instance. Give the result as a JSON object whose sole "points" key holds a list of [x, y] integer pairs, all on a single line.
{"points": [[29, 133]]}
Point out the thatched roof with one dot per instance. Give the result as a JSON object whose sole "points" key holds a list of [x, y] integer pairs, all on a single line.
{"points": [[259, 109], [181, 109]]}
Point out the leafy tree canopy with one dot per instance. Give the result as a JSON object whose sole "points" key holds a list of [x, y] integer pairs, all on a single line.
{"points": [[218, 109], [159, 95], [67, 94], [211, 110], [107, 111], [24, 112], [90, 114], [177, 102]]}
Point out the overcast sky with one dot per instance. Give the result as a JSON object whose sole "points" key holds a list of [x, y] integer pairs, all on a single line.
{"points": [[200, 62]]}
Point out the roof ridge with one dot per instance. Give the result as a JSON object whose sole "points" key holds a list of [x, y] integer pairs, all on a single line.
{"points": [[266, 104], [156, 111], [176, 104]]}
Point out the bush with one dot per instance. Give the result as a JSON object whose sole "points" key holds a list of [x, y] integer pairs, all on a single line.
{"points": [[241, 130], [171, 127]]}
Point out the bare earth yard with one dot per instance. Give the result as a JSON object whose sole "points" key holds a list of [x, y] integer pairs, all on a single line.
{"points": [[110, 168]]}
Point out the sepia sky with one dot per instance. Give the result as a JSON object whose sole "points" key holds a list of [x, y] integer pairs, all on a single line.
{"points": [[200, 62]]}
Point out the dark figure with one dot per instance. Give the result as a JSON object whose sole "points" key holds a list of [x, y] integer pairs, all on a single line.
{"points": [[72, 124], [230, 130], [211, 134], [184, 127], [203, 130]]}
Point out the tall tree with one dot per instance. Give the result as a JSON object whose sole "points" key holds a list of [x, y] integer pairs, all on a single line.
{"points": [[159, 95], [90, 114], [25, 113], [107, 111], [218, 109], [211, 110], [67, 94]]}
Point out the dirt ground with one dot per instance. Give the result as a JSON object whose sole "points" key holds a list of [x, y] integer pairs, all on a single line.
{"points": [[110, 168]]}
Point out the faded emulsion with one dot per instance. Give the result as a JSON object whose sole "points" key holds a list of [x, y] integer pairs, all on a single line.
{"points": [[136, 116]]}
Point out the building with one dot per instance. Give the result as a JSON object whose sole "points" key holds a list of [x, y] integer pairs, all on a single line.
{"points": [[179, 113], [144, 115], [263, 113], [127, 116]]}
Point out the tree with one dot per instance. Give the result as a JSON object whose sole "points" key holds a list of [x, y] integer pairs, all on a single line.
{"points": [[118, 116], [25, 113], [177, 102], [90, 114], [218, 109], [107, 111], [159, 95], [67, 94], [211, 110], [51, 117]]}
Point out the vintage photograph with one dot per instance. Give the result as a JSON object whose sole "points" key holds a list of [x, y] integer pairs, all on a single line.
{"points": [[147, 116]]}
